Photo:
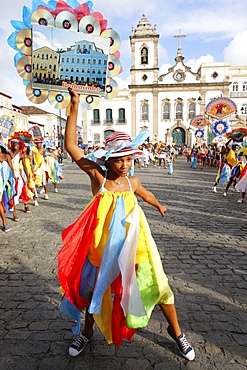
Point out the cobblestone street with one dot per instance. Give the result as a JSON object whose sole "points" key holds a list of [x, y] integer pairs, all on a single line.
{"points": [[203, 245]]}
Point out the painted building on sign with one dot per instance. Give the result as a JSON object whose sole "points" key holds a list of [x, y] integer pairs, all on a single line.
{"points": [[84, 63], [166, 103]]}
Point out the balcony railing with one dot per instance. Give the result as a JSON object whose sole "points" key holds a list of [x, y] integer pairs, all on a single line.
{"points": [[108, 122], [95, 122], [238, 94], [121, 121]]}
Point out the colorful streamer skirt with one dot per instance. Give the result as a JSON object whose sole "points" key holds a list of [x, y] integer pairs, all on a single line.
{"points": [[110, 256]]}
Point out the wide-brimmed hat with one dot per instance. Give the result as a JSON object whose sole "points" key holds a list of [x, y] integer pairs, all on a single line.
{"points": [[119, 144], [38, 140], [15, 139]]}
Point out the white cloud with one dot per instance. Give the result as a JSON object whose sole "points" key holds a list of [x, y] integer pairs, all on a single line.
{"points": [[164, 68], [194, 64], [236, 52]]}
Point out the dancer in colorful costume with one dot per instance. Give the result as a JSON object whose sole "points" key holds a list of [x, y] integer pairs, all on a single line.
{"points": [[16, 147], [110, 264], [7, 185], [40, 167], [242, 184], [27, 158], [54, 168]]}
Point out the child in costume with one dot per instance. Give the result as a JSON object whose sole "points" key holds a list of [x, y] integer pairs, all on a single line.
{"points": [[242, 184], [16, 147], [109, 264], [54, 168], [7, 185]]}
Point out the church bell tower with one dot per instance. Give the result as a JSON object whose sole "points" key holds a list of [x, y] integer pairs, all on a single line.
{"points": [[144, 53]]}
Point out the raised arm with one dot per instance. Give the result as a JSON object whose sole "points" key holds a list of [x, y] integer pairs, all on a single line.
{"points": [[70, 140]]}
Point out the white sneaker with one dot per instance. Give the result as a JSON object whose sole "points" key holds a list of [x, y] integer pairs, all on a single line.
{"points": [[240, 200], [42, 191], [214, 189], [224, 194], [55, 191], [35, 203], [46, 196]]}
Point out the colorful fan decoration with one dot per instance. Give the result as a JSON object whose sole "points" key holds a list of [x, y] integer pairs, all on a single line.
{"points": [[237, 134], [221, 107], [219, 140], [199, 133], [44, 70], [220, 127], [24, 136], [199, 121]]}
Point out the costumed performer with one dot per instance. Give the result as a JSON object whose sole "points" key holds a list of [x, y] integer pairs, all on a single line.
{"points": [[40, 167], [109, 264], [16, 147], [27, 158], [235, 165], [54, 168], [242, 183], [7, 185]]}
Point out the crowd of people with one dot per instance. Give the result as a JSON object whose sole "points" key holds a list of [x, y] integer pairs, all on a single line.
{"points": [[229, 160], [25, 169]]}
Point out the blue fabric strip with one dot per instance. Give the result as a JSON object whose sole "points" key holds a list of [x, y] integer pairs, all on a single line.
{"points": [[109, 268], [68, 309]]}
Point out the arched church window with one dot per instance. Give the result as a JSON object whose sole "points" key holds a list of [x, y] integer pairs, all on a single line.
{"points": [[192, 110], [144, 55], [245, 86], [166, 111], [144, 112], [179, 111]]}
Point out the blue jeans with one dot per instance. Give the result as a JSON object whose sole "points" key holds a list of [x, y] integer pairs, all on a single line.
{"points": [[193, 162]]}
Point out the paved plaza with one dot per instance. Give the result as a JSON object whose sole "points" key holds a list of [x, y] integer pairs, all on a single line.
{"points": [[203, 245]]}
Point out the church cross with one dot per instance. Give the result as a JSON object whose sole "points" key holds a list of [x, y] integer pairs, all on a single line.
{"points": [[179, 36]]}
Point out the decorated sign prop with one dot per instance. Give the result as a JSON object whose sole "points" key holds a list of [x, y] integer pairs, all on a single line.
{"points": [[199, 121], [221, 107], [7, 126], [220, 127], [199, 134], [237, 134], [35, 132], [60, 45]]}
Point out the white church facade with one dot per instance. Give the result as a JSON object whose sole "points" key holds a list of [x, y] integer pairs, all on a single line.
{"points": [[165, 103]]}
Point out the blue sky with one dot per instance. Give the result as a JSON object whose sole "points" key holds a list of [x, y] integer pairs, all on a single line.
{"points": [[215, 31]]}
